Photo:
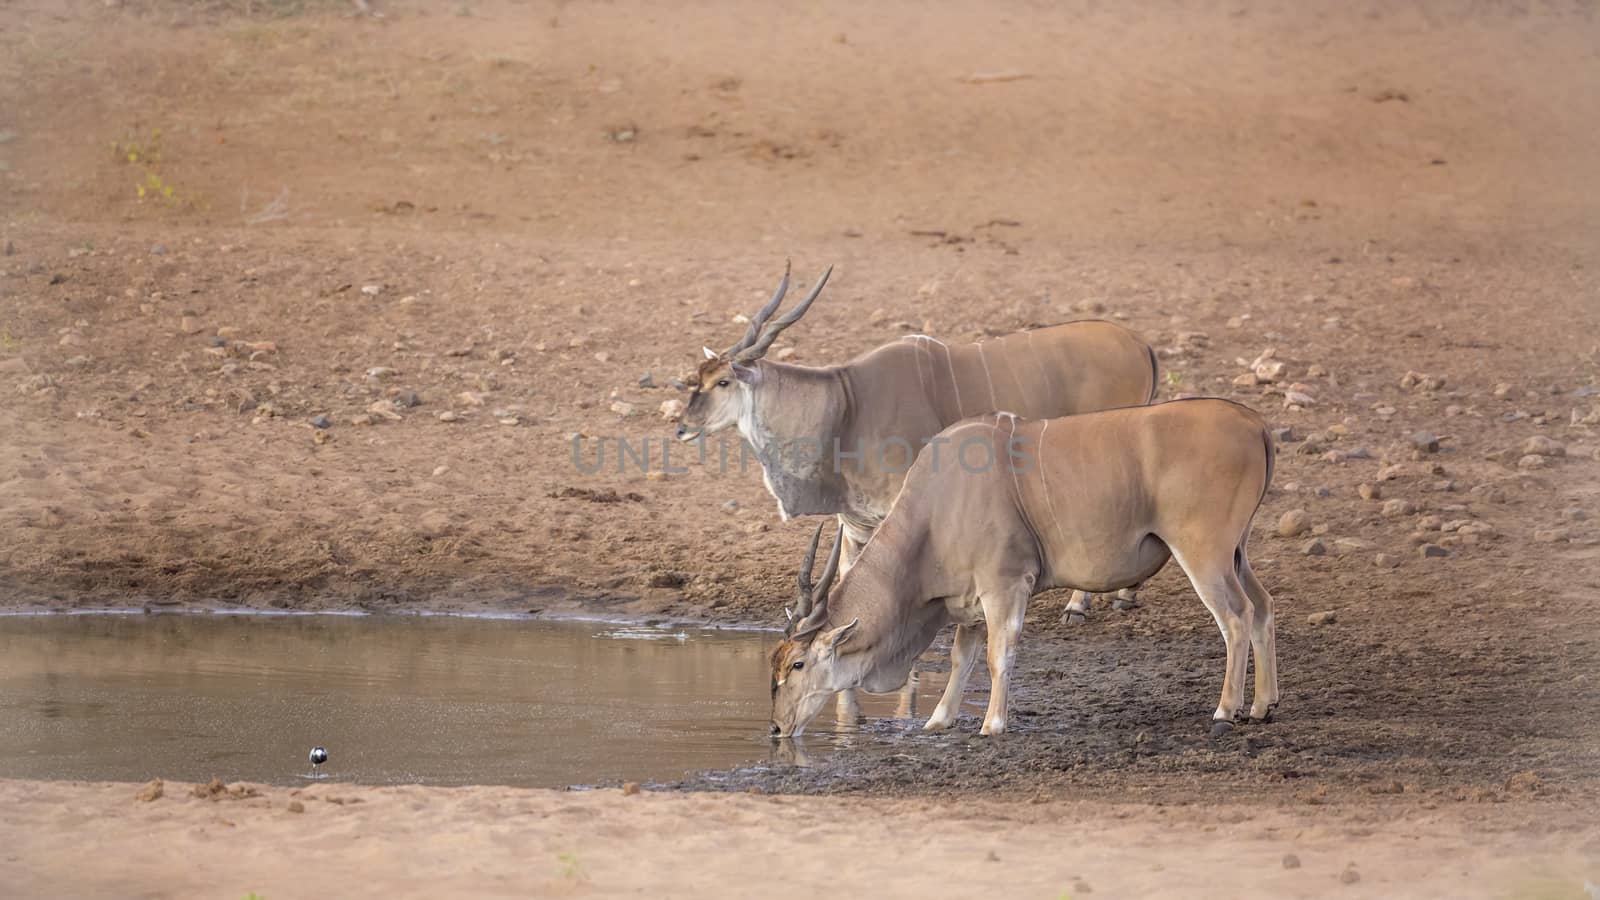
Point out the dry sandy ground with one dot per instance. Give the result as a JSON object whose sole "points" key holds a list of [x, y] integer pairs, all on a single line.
{"points": [[550, 200], [501, 842]]}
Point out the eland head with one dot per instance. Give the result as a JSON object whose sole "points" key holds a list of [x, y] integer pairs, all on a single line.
{"points": [[805, 673], [720, 387]]}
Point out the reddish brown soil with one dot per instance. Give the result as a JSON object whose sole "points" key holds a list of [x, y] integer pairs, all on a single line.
{"points": [[554, 200]]}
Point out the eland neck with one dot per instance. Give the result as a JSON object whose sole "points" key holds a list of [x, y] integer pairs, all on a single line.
{"points": [[893, 590], [794, 416]]}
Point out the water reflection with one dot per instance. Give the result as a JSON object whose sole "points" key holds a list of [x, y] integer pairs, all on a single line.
{"points": [[438, 700]]}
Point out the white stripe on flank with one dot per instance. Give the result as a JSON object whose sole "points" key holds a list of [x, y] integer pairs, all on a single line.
{"points": [[994, 402], [1044, 483]]}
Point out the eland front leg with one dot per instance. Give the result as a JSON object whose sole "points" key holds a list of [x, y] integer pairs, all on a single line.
{"points": [[963, 654], [1002, 613]]}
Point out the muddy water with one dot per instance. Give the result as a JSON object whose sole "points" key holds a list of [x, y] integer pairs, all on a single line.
{"points": [[437, 700]]}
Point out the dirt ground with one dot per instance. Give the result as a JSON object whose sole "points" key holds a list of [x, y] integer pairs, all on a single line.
{"points": [[504, 842], [463, 233]]}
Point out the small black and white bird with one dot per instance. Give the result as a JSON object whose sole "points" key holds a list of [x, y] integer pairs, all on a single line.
{"points": [[318, 757]]}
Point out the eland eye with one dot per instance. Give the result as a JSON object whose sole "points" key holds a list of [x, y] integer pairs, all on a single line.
{"points": [[722, 383], [799, 664]]}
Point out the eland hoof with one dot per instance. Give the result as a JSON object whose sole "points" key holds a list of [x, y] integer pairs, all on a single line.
{"points": [[1074, 618], [1265, 717], [1221, 728]]}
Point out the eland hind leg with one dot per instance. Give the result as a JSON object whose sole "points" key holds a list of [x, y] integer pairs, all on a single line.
{"points": [[1224, 595], [1263, 642]]}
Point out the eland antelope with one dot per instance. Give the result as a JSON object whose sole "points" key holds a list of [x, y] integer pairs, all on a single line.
{"points": [[1093, 502], [838, 440]]}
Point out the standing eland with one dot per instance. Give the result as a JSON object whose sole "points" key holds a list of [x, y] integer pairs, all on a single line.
{"points": [[838, 440], [1093, 502]]}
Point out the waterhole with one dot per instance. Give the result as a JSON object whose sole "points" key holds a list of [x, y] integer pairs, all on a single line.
{"points": [[394, 699]]}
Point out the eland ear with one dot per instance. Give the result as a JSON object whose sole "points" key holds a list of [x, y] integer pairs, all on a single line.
{"points": [[710, 353], [831, 641], [746, 374]]}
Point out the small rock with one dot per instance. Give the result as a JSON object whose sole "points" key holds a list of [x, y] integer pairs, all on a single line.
{"points": [[1574, 514], [629, 788], [731, 506], [408, 399], [158, 249], [671, 409], [1390, 473], [190, 325], [1531, 461], [1503, 391], [372, 290], [1543, 446], [1453, 410], [1285, 435], [623, 408], [1269, 371], [1386, 560], [1393, 509], [1248, 379], [321, 422], [295, 806], [471, 398], [1326, 617], [1430, 523], [1432, 551], [1290, 861], [151, 791], [362, 419], [1552, 535], [1298, 398], [646, 381], [1369, 491], [1315, 547], [1425, 441], [1384, 411], [1294, 523], [440, 470], [449, 416]]}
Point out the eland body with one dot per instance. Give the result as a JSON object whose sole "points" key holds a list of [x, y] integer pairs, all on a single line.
{"points": [[1094, 502]]}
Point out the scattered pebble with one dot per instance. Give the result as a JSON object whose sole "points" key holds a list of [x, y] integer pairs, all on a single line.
{"points": [[372, 290], [629, 788], [1574, 514], [623, 408], [1552, 535], [1425, 441], [1326, 617], [1430, 523], [671, 409], [730, 506], [1390, 473], [1386, 560], [1315, 547], [1432, 551], [295, 806], [1531, 461], [1294, 523], [1543, 446], [646, 381], [408, 399], [151, 791], [1284, 435], [449, 416], [321, 422], [1397, 507], [1369, 491]]}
